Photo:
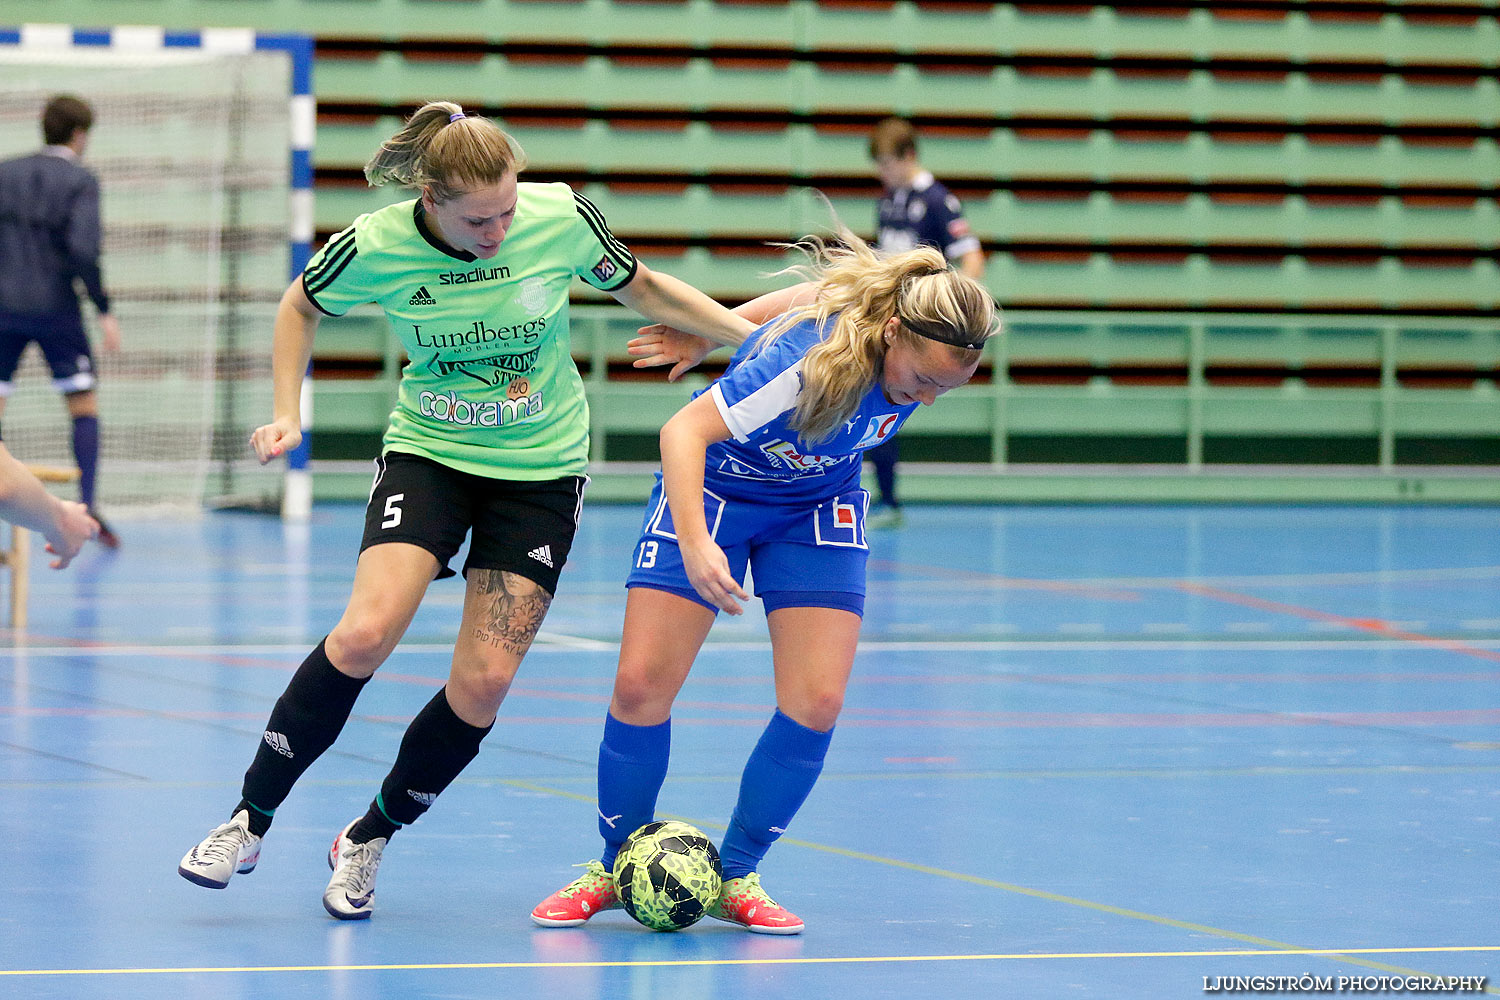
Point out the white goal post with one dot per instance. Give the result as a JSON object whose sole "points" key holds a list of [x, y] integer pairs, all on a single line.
{"points": [[202, 143]]}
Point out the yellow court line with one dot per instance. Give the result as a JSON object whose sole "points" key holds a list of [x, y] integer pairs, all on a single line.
{"points": [[687, 962], [1089, 774], [1094, 774], [1279, 947], [1162, 774]]}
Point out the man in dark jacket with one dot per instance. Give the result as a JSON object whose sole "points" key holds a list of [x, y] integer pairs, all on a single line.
{"points": [[49, 239]]}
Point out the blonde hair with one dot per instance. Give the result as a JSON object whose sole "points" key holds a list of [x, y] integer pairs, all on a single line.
{"points": [[859, 289], [446, 152]]}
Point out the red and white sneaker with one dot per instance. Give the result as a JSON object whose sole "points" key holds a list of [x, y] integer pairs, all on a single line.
{"points": [[742, 901], [590, 893]]}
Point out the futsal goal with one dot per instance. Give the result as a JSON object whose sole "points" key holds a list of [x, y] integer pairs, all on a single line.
{"points": [[196, 139]]}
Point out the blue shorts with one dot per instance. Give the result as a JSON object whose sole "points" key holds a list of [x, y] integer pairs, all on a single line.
{"points": [[64, 344], [799, 556]]}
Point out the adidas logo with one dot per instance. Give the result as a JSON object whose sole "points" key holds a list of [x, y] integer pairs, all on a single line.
{"points": [[542, 554], [425, 798], [278, 742], [421, 298]]}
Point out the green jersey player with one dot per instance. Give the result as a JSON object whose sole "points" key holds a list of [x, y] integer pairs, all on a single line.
{"points": [[491, 385], [489, 437]]}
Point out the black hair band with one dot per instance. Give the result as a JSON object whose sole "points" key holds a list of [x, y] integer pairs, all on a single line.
{"points": [[941, 334]]}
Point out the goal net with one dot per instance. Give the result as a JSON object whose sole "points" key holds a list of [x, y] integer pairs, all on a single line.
{"points": [[191, 148]]}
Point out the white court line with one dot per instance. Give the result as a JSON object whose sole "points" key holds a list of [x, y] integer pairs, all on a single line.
{"points": [[981, 578], [984, 578], [576, 644], [1268, 949]]}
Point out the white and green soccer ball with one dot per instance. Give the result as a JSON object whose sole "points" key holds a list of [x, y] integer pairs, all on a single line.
{"points": [[667, 875]]}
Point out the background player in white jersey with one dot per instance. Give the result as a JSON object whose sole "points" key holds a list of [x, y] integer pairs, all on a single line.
{"points": [[762, 469], [489, 434], [915, 210]]}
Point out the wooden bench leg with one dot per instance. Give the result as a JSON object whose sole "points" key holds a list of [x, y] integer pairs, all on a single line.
{"points": [[18, 561]]}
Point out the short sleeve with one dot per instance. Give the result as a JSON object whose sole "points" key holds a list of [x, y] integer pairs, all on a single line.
{"points": [[946, 216], [761, 388], [598, 257], [335, 280]]}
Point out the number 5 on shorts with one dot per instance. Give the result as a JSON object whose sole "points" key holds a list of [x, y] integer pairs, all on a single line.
{"points": [[392, 512]]}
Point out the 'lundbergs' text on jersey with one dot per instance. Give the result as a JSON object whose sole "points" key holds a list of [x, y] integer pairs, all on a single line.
{"points": [[491, 387]]}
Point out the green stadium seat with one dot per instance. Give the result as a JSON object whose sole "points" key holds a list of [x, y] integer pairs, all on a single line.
{"points": [[1290, 211]]}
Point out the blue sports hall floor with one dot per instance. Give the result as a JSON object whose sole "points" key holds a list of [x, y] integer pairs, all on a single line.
{"points": [[1115, 752]]}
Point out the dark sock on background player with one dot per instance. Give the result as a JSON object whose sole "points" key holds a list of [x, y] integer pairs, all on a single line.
{"points": [[86, 454], [884, 458]]}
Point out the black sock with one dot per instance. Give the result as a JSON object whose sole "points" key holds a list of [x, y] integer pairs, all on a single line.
{"points": [[260, 821], [437, 746], [86, 454], [306, 720], [373, 825]]}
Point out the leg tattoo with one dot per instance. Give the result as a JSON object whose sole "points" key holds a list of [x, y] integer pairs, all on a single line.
{"points": [[510, 611]]}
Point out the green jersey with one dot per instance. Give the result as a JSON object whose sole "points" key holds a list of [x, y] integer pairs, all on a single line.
{"points": [[490, 388]]}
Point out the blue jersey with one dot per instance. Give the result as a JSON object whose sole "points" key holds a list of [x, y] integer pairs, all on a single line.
{"points": [[766, 458], [923, 214]]}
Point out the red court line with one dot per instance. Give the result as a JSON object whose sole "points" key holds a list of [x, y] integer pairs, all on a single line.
{"points": [[990, 580], [416, 679], [865, 719], [1372, 625], [155, 714], [1059, 720], [1129, 720], [1082, 720], [1363, 677], [30, 711]]}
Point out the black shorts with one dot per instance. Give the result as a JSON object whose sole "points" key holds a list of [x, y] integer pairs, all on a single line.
{"points": [[520, 526], [64, 344]]}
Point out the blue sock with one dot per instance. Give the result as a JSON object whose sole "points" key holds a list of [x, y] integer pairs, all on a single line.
{"points": [[86, 454], [778, 776], [632, 767]]}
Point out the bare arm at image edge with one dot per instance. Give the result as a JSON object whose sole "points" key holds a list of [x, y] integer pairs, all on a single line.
{"points": [[26, 503]]}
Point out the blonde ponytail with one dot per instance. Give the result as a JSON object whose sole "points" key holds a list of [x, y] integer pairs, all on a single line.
{"points": [[860, 289], [447, 152]]}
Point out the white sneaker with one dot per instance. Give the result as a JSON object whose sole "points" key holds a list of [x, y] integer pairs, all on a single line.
{"points": [[351, 892], [226, 850]]}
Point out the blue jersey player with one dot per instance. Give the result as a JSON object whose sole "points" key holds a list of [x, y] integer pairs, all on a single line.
{"points": [[762, 470]]}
